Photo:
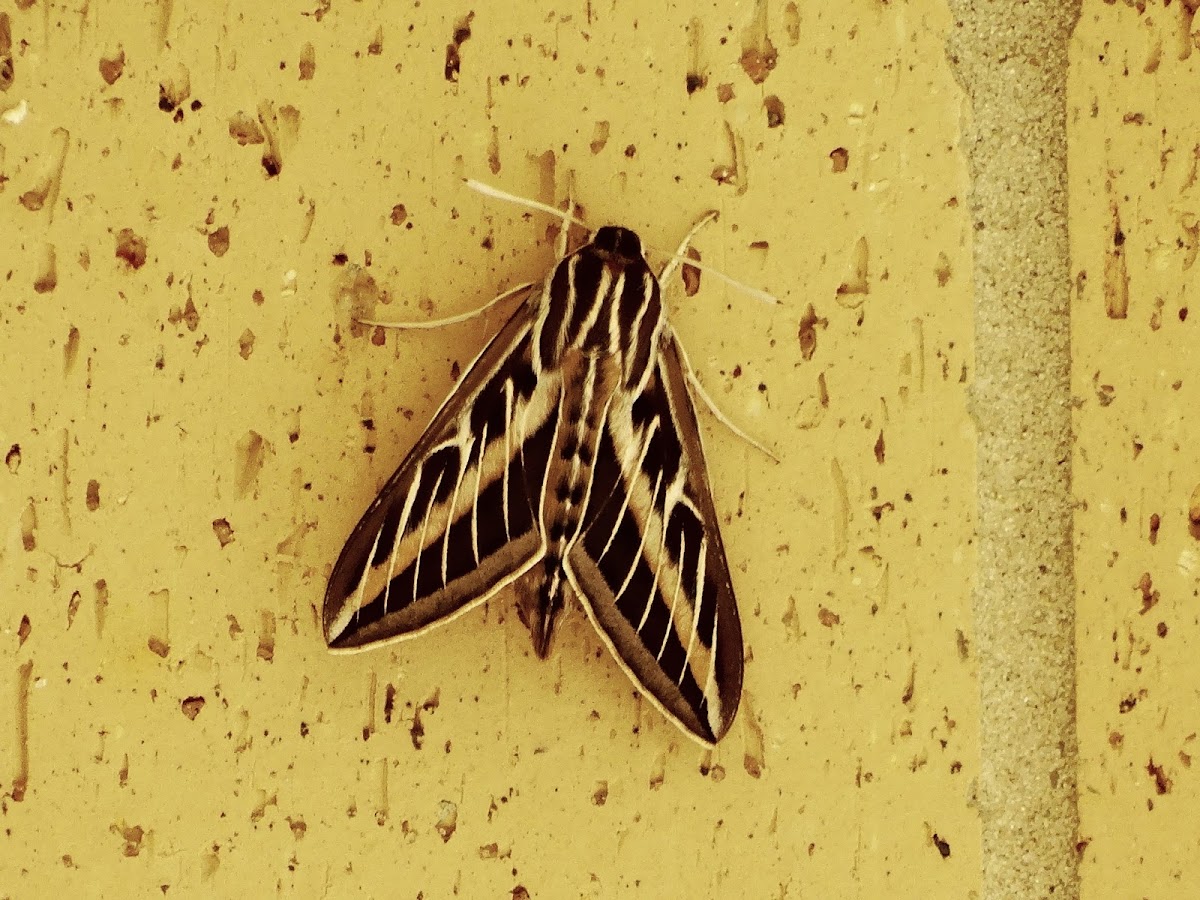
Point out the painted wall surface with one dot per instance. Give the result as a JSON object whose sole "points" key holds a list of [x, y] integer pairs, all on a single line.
{"points": [[1135, 130], [196, 198]]}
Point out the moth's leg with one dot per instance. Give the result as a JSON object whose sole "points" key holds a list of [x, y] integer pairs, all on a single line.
{"points": [[698, 391], [680, 258], [451, 320], [680, 255]]}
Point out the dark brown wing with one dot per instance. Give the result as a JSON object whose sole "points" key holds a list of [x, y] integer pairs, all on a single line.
{"points": [[650, 567], [459, 518]]}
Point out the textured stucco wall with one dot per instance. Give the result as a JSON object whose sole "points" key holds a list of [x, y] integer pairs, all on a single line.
{"points": [[194, 198], [1012, 59]]}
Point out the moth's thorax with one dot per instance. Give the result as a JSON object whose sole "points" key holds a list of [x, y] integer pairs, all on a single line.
{"points": [[603, 299], [618, 244]]}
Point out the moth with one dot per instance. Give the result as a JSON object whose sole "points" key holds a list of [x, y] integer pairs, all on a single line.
{"points": [[567, 459]]}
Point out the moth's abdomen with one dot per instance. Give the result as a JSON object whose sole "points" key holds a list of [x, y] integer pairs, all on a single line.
{"points": [[566, 495]]}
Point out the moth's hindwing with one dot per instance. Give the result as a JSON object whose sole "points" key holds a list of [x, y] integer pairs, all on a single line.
{"points": [[650, 568]]}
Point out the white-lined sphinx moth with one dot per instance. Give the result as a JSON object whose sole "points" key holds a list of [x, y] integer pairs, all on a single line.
{"points": [[568, 456]]}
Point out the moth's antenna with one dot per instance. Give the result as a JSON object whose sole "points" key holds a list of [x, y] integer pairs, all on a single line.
{"points": [[756, 293], [488, 191], [680, 254]]}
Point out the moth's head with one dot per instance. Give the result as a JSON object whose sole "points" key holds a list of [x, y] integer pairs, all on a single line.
{"points": [[620, 245]]}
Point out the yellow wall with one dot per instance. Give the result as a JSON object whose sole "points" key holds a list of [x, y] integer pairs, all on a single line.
{"points": [[188, 447], [1135, 127]]}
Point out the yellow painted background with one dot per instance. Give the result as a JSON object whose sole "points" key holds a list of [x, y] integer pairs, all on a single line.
{"points": [[1135, 207], [189, 439]]}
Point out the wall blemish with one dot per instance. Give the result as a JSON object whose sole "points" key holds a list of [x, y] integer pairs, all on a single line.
{"points": [[599, 137], [697, 76], [46, 279], [462, 31], [112, 65], [130, 249], [759, 55], [308, 62], [44, 194], [73, 607], [251, 452], [100, 599], [855, 284], [1116, 275], [266, 637], [775, 111], [70, 350], [7, 65], [22, 684], [29, 527]]}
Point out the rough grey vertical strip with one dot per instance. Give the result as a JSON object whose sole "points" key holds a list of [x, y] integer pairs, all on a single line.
{"points": [[1011, 59]]}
